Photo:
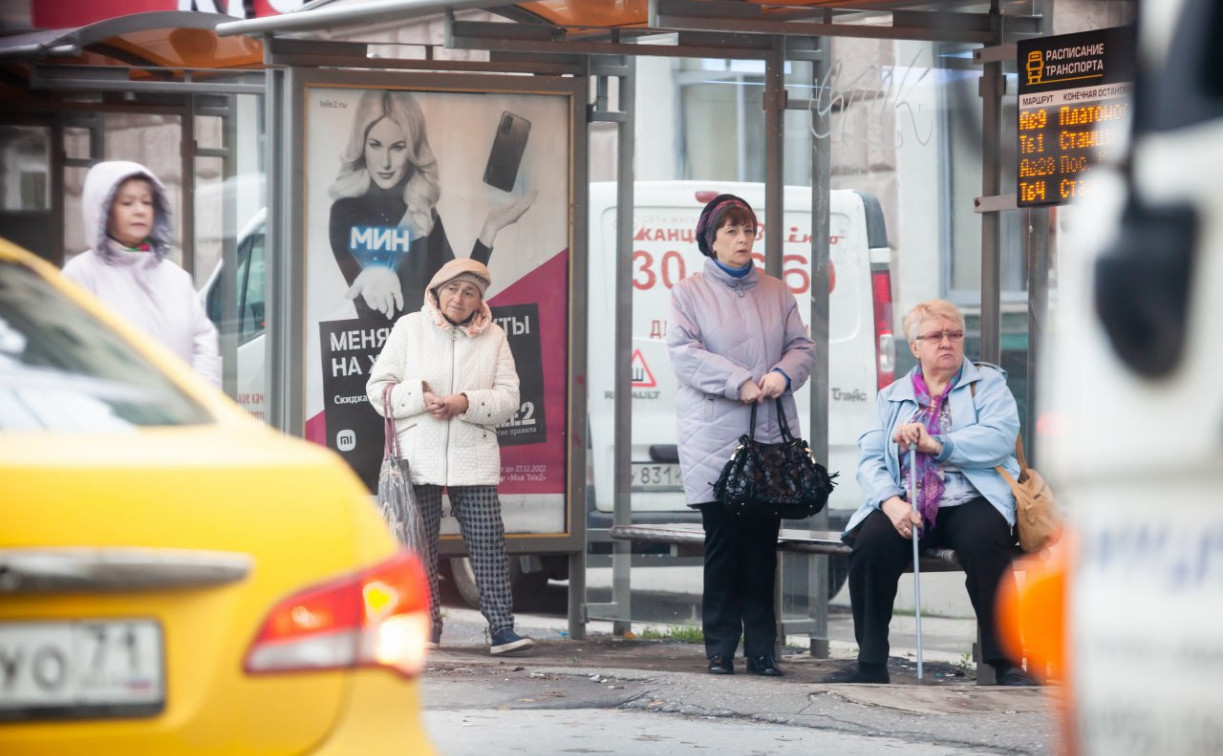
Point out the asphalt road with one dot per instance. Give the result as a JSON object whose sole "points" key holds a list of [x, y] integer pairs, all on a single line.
{"points": [[632, 733]]}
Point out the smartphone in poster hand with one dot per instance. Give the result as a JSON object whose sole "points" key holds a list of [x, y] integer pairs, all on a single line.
{"points": [[509, 143]]}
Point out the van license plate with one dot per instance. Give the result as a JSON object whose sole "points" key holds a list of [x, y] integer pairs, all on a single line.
{"points": [[81, 669], [652, 476]]}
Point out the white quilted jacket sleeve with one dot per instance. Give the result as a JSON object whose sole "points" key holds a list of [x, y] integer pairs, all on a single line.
{"points": [[408, 396]]}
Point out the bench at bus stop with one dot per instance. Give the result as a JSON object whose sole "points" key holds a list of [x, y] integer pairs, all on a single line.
{"points": [[688, 539]]}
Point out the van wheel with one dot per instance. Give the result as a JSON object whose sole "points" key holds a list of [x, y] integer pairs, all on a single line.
{"points": [[525, 586], [465, 581]]}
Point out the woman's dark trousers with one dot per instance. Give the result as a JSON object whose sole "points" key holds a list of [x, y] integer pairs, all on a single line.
{"points": [[983, 544], [740, 565]]}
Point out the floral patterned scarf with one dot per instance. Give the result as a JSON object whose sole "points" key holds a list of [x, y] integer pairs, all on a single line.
{"points": [[473, 327], [934, 413]]}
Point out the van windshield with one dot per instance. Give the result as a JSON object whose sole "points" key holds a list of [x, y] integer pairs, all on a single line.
{"points": [[63, 370]]}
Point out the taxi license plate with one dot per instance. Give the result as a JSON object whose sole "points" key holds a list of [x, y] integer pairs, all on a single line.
{"points": [[81, 669], [653, 476]]}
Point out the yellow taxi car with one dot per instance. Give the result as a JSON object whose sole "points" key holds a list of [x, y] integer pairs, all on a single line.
{"points": [[175, 577]]}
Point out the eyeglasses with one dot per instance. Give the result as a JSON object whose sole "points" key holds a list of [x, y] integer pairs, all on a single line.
{"points": [[937, 336]]}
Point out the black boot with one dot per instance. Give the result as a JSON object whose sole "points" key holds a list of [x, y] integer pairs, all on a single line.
{"points": [[763, 665], [1013, 676], [721, 665]]}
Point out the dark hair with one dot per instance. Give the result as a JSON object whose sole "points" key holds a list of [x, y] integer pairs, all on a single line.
{"points": [[737, 215]]}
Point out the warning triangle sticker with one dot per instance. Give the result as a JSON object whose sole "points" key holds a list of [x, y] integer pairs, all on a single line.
{"points": [[642, 377]]}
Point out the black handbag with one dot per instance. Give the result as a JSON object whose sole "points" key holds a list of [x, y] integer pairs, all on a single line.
{"points": [[773, 480]]}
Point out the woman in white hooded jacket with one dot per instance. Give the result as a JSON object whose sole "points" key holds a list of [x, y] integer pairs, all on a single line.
{"points": [[454, 381], [127, 221]]}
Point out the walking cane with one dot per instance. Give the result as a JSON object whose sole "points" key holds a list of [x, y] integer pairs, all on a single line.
{"points": [[916, 556]]}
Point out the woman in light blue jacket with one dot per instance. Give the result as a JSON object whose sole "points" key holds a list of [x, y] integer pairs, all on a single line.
{"points": [[963, 421], [735, 339]]}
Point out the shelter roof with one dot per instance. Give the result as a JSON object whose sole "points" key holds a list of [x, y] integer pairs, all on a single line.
{"points": [[175, 46], [164, 46], [164, 39], [568, 19]]}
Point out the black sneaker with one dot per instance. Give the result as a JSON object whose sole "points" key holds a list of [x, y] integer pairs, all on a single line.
{"points": [[507, 641], [859, 673]]}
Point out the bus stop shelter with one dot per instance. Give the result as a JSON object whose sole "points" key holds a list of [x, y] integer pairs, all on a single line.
{"points": [[190, 66]]}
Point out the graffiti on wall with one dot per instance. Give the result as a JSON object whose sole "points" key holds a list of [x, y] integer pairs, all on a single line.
{"points": [[879, 90]]}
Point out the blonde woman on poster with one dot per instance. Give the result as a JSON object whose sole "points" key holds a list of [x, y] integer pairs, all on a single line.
{"points": [[385, 231]]}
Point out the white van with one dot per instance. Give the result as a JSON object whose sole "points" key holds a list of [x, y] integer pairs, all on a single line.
{"points": [[861, 354], [861, 343], [252, 316]]}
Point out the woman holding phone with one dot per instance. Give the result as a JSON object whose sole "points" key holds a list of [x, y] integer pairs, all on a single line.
{"points": [[385, 231]]}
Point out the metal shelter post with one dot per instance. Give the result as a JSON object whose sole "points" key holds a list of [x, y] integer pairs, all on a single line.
{"points": [[821, 167], [624, 70], [284, 352], [1039, 234], [774, 214], [992, 88], [774, 154], [579, 399], [57, 163], [186, 154], [625, 176], [229, 249]]}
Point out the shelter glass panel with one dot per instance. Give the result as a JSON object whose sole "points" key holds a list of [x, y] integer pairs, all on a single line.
{"points": [[78, 142], [230, 212], [74, 225], [155, 141], [209, 132], [25, 198]]}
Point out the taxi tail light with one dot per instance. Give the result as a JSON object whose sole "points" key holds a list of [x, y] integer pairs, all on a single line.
{"points": [[377, 617], [885, 343]]}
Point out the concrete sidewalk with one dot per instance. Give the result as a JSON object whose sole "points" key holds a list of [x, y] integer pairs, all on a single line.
{"points": [[669, 677], [946, 641]]}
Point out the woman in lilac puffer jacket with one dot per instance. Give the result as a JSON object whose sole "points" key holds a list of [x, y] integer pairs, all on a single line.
{"points": [[735, 339]]}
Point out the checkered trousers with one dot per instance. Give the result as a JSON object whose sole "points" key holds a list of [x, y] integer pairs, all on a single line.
{"points": [[478, 510]]}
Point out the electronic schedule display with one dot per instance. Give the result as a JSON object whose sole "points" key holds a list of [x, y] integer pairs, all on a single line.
{"points": [[1074, 108]]}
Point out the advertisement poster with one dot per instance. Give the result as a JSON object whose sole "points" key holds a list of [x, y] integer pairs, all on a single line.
{"points": [[398, 182]]}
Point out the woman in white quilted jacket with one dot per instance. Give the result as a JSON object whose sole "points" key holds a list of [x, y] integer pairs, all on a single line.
{"points": [[454, 382]]}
